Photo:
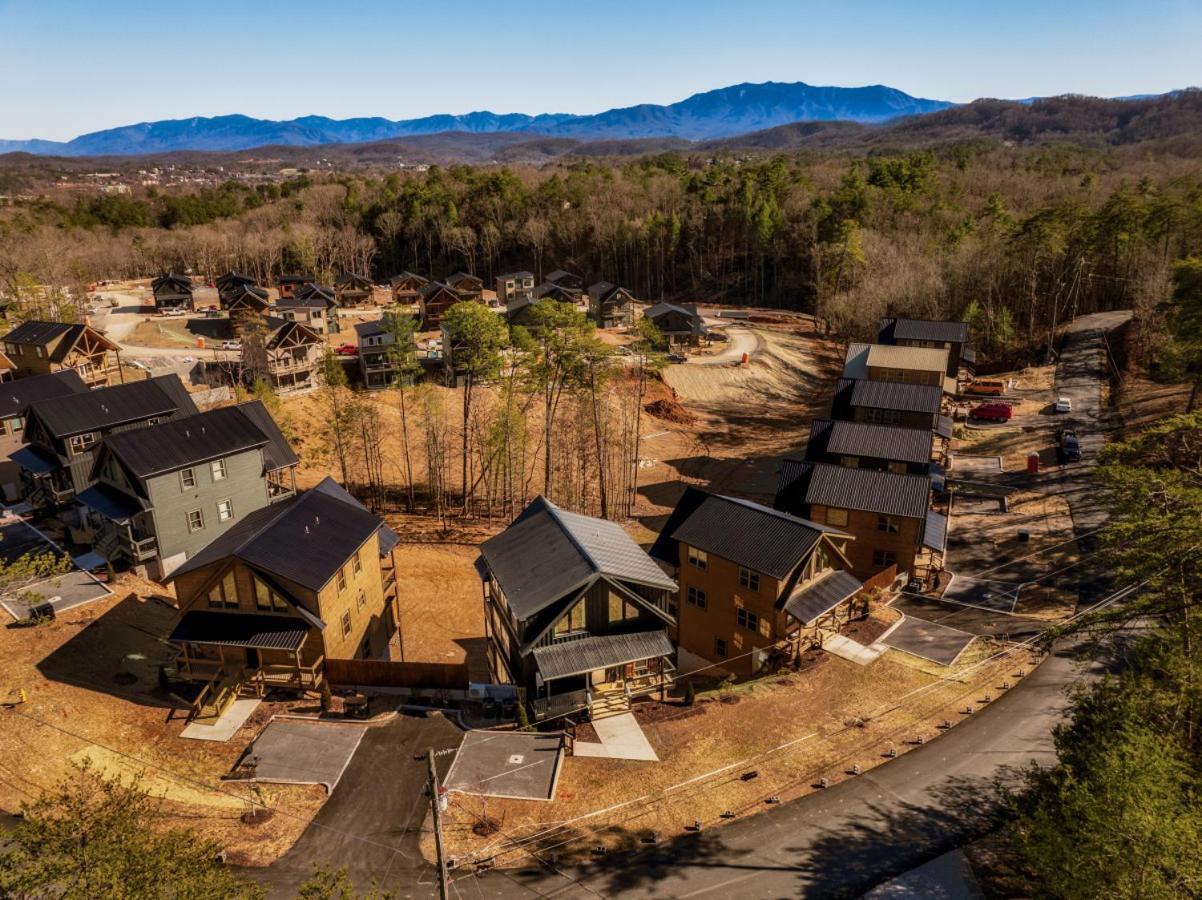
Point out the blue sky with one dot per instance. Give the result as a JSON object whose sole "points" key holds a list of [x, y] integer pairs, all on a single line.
{"points": [[71, 67]]}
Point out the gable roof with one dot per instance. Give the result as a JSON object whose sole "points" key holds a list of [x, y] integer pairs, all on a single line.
{"points": [[855, 360], [547, 552], [751, 535], [688, 310], [109, 407], [180, 284], [231, 278], [555, 292], [892, 329], [305, 540], [515, 275], [919, 359], [457, 278], [309, 290], [909, 445], [16, 396], [925, 398], [869, 490], [433, 288], [408, 276], [245, 294], [186, 441], [36, 333], [289, 329], [293, 278], [353, 280], [557, 275], [307, 301]]}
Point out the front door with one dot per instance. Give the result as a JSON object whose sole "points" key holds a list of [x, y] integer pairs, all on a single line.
{"points": [[252, 658]]}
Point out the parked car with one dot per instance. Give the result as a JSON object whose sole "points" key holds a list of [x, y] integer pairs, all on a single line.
{"points": [[1068, 447], [991, 412], [231, 345], [719, 336], [986, 388], [677, 358], [177, 311], [346, 350], [137, 364], [1063, 405]]}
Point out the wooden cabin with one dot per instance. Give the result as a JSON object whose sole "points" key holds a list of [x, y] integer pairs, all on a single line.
{"points": [[42, 348], [351, 289]]}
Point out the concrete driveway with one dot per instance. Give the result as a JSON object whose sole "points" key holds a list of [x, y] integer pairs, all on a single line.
{"points": [[73, 588], [288, 752]]}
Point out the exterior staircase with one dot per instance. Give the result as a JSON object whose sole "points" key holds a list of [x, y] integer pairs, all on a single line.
{"points": [[610, 702]]}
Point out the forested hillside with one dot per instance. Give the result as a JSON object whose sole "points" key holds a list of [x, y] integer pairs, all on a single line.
{"points": [[1015, 238]]}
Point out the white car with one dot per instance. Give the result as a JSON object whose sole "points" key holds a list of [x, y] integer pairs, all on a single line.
{"points": [[1063, 404], [138, 364], [231, 345]]}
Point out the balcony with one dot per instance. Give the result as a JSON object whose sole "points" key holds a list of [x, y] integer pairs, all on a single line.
{"points": [[561, 704], [140, 548], [282, 366]]}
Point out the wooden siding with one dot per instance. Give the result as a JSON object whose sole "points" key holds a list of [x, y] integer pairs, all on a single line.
{"points": [[387, 673]]}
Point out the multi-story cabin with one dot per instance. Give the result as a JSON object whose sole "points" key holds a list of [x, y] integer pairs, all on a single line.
{"points": [[859, 445], [518, 312], [466, 285], [899, 365], [313, 312], [352, 289], [680, 323], [377, 361], [244, 300], [610, 306], [888, 514], [889, 403], [556, 292], [8, 369], [294, 354], [230, 280], [756, 585], [407, 288], [42, 348], [64, 433], [163, 493], [15, 399], [312, 291], [288, 285], [566, 280], [434, 301], [172, 291], [575, 613], [287, 587], [949, 336], [515, 286]]}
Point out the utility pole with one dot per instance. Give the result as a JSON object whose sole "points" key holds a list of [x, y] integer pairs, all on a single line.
{"points": [[442, 862]]}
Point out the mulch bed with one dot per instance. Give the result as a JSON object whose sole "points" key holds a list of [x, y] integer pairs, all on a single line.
{"points": [[865, 631], [652, 711]]}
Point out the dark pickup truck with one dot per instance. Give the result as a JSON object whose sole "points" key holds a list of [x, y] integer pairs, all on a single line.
{"points": [[1068, 447]]}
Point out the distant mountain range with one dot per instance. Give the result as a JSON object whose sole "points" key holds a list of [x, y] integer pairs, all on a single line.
{"points": [[722, 113]]}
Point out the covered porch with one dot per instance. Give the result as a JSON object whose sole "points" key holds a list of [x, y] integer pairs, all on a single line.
{"points": [[820, 606], [601, 673], [119, 525]]}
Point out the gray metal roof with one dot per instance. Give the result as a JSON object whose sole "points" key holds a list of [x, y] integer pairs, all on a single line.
{"points": [[855, 361], [892, 395], [238, 629], [828, 436], [310, 291], [934, 532], [591, 653], [16, 396], [555, 292], [923, 330], [943, 426], [305, 540], [547, 552], [109, 407], [821, 596], [756, 537], [869, 490]]}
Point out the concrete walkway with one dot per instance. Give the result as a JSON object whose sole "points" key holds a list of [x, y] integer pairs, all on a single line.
{"points": [[621, 738], [852, 651], [227, 723]]}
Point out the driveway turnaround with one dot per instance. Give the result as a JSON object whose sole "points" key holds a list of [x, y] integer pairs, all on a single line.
{"points": [[292, 752], [997, 596], [937, 643], [519, 765]]}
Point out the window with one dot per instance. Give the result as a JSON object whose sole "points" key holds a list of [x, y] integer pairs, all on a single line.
{"points": [[720, 647], [224, 594], [573, 620], [267, 599], [18, 423], [81, 442], [698, 558], [225, 510], [218, 469], [696, 597], [361, 600], [641, 668], [897, 468], [342, 579], [187, 479], [886, 524], [748, 620], [883, 559], [836, 517], [196, 520], [849, 462], [749, 579], [620, 609], [39, 352], [356, 564], [346, 624]]}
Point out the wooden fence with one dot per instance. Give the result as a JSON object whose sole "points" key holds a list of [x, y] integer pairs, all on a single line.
{"points": [[383, 673], [881, 580]]}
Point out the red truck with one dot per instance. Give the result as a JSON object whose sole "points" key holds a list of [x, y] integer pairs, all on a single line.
{"points": [[991, 412]]}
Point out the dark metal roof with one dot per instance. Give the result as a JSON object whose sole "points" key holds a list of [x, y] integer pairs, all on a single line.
{"points": [[555, 292], [176, 283], [352, 279], [315, 291], [388, 538], [305, 540], [923, 330], [15, 396], [278, 454], [688, 310], [509, 275], [457, 278], [557, 275], [293, 279], [109, 407], [890, 395], [433, 288], [407, 276], [547, 552], [599, 652], [821, 596], [40, 333], [869, 490], [934, 532], [236, 629], [827, 436], [244, 293], [943, 426], [229, 279], [309, 301], [188, 441], [110, 503], [764, 540]]}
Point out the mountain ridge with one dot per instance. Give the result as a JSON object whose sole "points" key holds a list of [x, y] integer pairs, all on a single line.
{"points": [[707, 115]]}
